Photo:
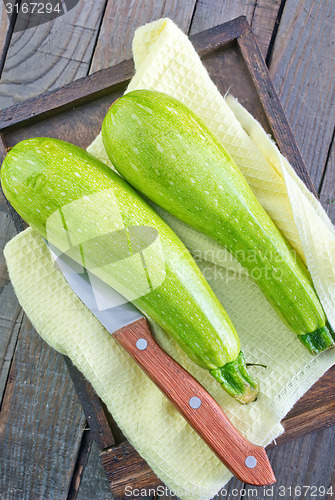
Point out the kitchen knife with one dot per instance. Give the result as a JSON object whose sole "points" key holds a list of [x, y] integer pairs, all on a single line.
{"points": [[247, 461]]}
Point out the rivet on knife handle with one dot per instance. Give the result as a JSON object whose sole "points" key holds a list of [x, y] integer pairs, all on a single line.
{"points": [[247, 461]]}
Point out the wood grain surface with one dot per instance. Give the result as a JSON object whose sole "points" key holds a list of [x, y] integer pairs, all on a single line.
{"points": [[36, 410], [5, 34], [261, 15], [125, 467], [294, 462], [11, 312], [52, 54], [303, 71], [131, 15], [327, 189], [94, 484]]}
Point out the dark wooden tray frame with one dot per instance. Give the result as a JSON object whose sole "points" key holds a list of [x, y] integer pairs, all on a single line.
{"points": [[316, 409]]}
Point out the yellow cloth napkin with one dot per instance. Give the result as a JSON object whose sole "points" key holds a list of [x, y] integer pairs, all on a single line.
{"points": [[165, 60]]}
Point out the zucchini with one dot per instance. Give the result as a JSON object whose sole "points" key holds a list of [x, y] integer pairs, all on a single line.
{"points": [[72, 198], [168, 154]]}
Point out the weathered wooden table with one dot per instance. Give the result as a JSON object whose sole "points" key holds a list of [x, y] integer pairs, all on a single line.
{"points": [[52, 453]]}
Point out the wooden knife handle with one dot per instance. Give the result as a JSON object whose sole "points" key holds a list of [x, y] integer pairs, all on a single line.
{"points": [[247, 461]]}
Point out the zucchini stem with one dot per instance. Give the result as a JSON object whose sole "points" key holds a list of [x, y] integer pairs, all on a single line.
{"points": [[318, 341], [236, 380]]}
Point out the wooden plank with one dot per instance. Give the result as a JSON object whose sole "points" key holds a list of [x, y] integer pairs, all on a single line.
{"points": [[125, 467], [209, 13], [4, 24], [327, 194], [121, 20], [263, 22], [73, 94], [261, 15], [10, 310], [94, 484], [313, 419], [50, 55], [80, 465], [305, 462], [303, 72], [41, 422], [5, 34]]}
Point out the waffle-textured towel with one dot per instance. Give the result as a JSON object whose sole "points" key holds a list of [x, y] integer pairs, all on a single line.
{"points": [[165, 60]]}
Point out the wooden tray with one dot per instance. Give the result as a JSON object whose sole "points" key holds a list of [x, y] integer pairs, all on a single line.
{"points": [[75, 113]]}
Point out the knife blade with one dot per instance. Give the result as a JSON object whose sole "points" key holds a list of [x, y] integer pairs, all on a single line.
{"points": [[247, 461]]}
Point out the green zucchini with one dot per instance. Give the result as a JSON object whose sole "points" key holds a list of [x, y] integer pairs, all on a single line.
{"points": [[70, 198], [168, 154]]}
